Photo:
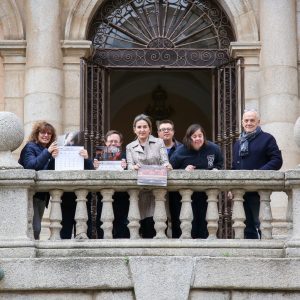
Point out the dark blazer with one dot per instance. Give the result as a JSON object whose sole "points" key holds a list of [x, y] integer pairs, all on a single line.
{"points": [[264, 154], [36, 157]]}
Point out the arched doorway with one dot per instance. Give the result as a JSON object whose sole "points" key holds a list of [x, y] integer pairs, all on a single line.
{"points": [[154, 38], [179, 46]]}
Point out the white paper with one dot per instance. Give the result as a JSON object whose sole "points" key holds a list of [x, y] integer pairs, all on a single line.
{"points": [[110, 165], [69, 159]]}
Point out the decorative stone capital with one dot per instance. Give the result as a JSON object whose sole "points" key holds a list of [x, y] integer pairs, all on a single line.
{"points": [[76, 48], [13, 48], [249, 50], [11, 137]]}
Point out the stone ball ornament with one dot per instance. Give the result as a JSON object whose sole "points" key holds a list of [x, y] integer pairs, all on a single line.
{"points": [[11, 137]]}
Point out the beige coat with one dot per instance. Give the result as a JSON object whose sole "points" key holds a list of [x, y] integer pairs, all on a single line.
{"points": [[154, 153]]}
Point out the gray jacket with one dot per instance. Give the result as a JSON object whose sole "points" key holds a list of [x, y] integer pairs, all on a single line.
{"points": [[154, 153]]}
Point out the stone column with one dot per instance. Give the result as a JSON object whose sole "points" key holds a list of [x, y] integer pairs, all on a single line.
{"points": [[13, 58], [44, 77], [279, 105], [250, 52], [72, 52]]}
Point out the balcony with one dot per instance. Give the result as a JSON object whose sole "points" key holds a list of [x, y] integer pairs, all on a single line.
{"points": [[123, 265], [135, 268]]}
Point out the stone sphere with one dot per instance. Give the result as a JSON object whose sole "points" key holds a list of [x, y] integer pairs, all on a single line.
{"points": [[11, 131]]}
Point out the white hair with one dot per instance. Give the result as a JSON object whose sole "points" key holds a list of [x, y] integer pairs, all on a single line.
{"points": [[252, 110]]}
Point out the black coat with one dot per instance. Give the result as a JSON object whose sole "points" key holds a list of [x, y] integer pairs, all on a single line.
{"points": [[207, 157], [264, 154]]}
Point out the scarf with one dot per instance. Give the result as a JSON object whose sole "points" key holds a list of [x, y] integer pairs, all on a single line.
{"points": [[244, 139]]}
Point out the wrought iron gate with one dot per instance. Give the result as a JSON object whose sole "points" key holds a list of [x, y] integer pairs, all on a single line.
{"points": [[163, 34], [95, 93], [229, 104]]}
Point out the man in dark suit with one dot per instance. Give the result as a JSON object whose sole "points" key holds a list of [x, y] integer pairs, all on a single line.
{"points": [[254, 150]]}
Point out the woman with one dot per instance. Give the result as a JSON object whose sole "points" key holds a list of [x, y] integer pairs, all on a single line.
{"points": [[197, 153], [38, 154], [146, 150]]}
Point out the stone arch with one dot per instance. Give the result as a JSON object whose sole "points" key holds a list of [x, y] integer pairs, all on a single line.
{"points": [[240, 13], [10, 21], [242, 18]]}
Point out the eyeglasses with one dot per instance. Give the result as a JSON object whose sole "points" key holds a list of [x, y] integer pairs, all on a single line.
{"points": [[45, 133], [113, 142], [166, 129]]}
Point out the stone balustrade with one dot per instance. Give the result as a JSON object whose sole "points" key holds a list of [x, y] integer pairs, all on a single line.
{"points": [[17, 187], [211, 182]]}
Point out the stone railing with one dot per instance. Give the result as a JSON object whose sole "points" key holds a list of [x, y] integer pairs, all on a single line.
{"points": [[18, 186], [211, 182]]}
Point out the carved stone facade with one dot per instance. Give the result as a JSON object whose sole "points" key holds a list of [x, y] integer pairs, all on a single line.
{"points": [[41, 43]]}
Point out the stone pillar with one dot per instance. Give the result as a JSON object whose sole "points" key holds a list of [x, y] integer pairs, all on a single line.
{"points": [[44, 77], [72, 52], [12, 73], [250, 52], [279, 105], [16, 184]]}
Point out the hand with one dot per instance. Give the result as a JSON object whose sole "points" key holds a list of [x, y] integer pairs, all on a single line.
{"points": [[190, 168], [169, 167], [96, 163], [136, 167], [124, 163], [53, 147], [84, 153], [55, 153]]}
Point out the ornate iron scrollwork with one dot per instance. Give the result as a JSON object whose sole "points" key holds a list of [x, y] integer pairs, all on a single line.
{"points": [[156, 58], [161, 24]]}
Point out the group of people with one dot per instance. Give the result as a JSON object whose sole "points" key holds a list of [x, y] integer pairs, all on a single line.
{"points": [[254, 149]]}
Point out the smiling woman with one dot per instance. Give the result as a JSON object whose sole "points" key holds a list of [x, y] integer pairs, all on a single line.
{"points": [[38, 154], [197, 153], [146, 150]]}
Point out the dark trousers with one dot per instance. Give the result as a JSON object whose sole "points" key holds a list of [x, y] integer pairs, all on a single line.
{"points": [[175, 207], [120, 208], [251, 206], [68, 210], [147, 230], [199, 224], [199, 207]]}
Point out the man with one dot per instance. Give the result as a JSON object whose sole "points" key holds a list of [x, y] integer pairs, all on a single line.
{"points": [[254, 150], [165, 131], [114, 138]]}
